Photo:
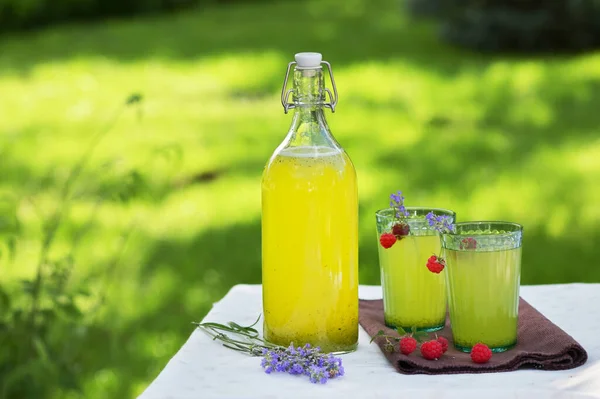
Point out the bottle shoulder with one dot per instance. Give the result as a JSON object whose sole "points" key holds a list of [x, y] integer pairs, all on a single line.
{"points": [[307, 161]]}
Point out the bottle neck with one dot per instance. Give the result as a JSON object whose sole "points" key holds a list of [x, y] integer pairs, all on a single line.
{"points": [[308, 88], [309, 126]]}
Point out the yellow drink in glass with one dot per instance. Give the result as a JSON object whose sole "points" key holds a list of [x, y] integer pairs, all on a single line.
{"points": [[483, 284], [413, 296], [310, 248]]}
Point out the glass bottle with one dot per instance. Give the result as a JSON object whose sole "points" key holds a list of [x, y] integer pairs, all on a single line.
{"points": [[310, 223]]}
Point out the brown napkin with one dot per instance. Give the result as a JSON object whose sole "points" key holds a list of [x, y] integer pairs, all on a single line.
{"points": [[540, 344]]}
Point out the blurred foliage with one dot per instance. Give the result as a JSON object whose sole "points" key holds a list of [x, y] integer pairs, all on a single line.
{"points": [[41, 333], [20, 14], [44, 318], [489, 136], [516, 25]]}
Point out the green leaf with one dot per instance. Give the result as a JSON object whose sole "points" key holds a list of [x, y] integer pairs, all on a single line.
{"points": [[18, 315], [9, 221], [69, 309], [134, 99], [48, 314], [4, 300], [256, 322], [235, 325], [420, 335], [379, 333], [27, 286], [8, 246], [400, 331], [42, 351]]}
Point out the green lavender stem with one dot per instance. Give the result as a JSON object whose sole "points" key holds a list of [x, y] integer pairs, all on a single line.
{"points": [[250, 344]]}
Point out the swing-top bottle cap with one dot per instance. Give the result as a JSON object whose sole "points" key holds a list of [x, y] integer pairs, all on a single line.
{"points": [[309, 64], [308, 60]]}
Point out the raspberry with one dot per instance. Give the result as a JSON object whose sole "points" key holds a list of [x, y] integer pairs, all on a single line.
{"points": [[408, 345], [444, 343], [387, 240], [400, 230], [468, 243], [431, 350], [480, 353], [435, 264]]}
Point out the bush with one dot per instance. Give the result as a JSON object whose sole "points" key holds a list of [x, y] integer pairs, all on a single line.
{"points": [[23, 14], [516, 25]]}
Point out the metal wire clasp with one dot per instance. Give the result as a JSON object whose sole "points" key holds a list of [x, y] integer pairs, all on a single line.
{"points": [[285, 93]]}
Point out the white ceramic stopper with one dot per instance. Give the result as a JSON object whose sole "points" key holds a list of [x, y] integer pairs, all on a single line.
{"points": [[308, 60]]}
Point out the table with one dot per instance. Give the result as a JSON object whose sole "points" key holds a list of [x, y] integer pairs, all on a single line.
{"points": [[203, 369]]}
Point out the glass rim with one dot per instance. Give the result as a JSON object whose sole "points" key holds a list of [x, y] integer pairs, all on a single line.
{"points": [[441, 211], [516, 226], [489, 235]]}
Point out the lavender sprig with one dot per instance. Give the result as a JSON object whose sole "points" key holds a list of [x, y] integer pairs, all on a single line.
{"points": [[397, 202], [442, 223], [305, 360]]}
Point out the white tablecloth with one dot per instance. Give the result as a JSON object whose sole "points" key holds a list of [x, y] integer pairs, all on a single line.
{"points": [[203, 369]]}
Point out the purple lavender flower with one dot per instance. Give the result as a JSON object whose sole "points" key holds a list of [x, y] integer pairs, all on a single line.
{"points": [[301, 352], [334, 366], [397, 202], [282, 366], [318, 374], [296, 369], [441, 223], [291, 350], [318, 367]]}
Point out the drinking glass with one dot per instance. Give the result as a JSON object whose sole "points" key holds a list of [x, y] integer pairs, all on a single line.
{"points": [[483, 270], [413, 296]]}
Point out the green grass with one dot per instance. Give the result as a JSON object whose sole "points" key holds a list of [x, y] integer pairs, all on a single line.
{"points": [[489, 137]]}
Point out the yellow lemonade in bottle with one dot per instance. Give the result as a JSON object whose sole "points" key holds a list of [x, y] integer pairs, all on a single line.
{"points": [[310, 231], [310, 252]]}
